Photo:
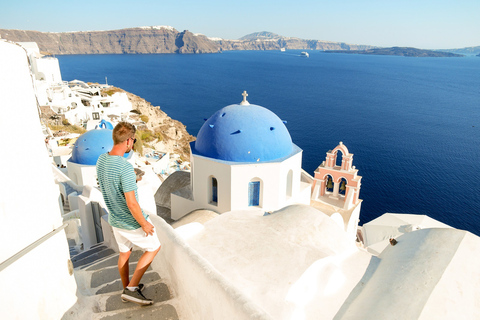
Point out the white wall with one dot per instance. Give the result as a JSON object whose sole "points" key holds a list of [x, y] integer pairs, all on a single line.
{"points": [[192, 276], [81, 174], [273, 175], [233, 180], [48, 69], [205, 168], [29, 208]]}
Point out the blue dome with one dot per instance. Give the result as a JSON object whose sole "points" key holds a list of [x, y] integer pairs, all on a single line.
{"points": [[244, 133], [104, 125], [90, 145]]}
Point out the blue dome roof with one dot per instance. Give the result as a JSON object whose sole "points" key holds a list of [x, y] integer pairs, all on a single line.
{"points": [[90, 145], [244, 133], [104, 125]]}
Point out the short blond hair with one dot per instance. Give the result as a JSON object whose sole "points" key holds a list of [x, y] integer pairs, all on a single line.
{"points": [[123, 131]]}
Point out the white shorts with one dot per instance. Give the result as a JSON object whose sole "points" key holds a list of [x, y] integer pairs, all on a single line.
{"points": [[127, 238]]}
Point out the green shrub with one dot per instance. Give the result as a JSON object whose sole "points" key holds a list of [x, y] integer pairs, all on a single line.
{"points": [[111, 91], [144, 118], [145, 135], [68, 128], [138, 147], [158, 135]]}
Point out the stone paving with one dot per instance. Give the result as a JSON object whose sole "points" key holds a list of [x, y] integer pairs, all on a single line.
{"points": [[97, 269]]}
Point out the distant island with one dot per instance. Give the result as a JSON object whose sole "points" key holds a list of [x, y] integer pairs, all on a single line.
{"points": [[466, 50], [401, 51]]}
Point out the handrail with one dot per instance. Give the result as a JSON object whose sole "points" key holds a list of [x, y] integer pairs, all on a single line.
{"points": [[30, 247]]}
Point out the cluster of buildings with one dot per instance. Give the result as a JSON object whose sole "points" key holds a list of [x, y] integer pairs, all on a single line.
{"points": [[250, 234], [75, 101]]}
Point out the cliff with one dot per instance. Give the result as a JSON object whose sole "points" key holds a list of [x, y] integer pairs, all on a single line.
{"points": [[161, 39], [270, 41], [402, 51], [162, 133], [172, 135], [132, 41]]}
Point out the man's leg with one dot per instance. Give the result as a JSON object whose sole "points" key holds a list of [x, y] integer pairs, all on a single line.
{"points": [[123, 259], [142, 266]]}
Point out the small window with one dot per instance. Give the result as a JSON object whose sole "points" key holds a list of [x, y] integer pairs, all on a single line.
{"points": [[254, 193], [96, 116], [214, 191]]}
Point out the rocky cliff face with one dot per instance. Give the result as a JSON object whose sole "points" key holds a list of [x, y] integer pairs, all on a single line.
{"points": [[175, 138], [160, 40], [287, 43], [134, 40]]}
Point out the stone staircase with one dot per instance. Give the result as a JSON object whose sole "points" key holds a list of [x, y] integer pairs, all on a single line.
{"points": [[99, 283]]}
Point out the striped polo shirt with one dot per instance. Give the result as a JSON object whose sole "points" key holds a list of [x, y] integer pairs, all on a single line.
{"points": [[116, 177]]}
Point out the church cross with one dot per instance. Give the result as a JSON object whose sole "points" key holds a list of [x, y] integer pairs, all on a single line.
{"points": [[244, 102]]}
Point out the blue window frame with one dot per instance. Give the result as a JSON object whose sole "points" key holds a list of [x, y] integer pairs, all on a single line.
{"points": [[254, 193]]}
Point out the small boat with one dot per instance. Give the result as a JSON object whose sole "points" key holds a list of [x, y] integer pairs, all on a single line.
{"points": [[282, 49], [304, 54]]}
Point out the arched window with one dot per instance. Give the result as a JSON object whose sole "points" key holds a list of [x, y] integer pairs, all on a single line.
{"points": [[254, 193], [343, 186], [213, 191], [329, 184]]}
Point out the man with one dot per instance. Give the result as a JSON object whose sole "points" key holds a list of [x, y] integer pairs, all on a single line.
{"points": [[131, 226]]}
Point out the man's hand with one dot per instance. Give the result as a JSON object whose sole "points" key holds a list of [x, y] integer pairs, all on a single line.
{"points": [[134, 207], [148, 228]]}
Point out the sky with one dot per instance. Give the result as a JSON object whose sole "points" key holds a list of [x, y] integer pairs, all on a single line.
{"points": [[425, 24]]}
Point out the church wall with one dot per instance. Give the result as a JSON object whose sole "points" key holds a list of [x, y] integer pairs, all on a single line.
{"points": [[274, 182], [29, 207], [205, 168], [233, 180], [202, 170]]}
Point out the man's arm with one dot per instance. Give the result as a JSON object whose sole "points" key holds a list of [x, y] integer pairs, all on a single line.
{"points": [[137, 212]]}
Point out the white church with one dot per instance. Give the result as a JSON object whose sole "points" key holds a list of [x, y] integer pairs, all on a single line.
{"points": [[243, 157]]}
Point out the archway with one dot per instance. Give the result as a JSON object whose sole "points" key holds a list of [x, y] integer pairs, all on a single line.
{"points": [[329, 183], [343, 187], [338, 158]]}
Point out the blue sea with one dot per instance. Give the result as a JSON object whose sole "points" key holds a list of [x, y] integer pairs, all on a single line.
{"points": [[413, 124]]}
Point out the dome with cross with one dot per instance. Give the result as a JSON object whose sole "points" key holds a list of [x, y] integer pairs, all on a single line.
{"points": [[243, 133]]}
